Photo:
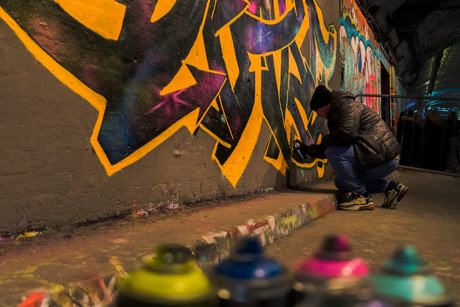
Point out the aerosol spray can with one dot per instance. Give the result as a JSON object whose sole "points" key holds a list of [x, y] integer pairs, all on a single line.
{"points": [[406, 280], [297, 145], [249, 279], [172, 278], [333, 277]]}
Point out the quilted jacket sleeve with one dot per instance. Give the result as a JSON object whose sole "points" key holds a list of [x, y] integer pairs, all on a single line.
{"points": [[345, 124]]}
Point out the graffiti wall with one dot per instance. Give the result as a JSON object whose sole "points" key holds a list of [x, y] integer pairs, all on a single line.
{"points": [[148, 74], [150, 69], [361, 63]]}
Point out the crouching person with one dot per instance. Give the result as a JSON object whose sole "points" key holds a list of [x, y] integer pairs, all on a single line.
{"points": [[360, 147]]}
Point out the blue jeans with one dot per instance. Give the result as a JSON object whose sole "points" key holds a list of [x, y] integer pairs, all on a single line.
{"points": [[349, 179]]}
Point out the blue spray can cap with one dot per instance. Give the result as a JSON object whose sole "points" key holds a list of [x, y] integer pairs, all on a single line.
{"points": [[249, 276]]}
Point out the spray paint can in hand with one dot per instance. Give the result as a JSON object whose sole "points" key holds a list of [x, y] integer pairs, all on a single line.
{"points": [[297, 145], [406, 280], [172, 278], [333, 277], [249, 279]]}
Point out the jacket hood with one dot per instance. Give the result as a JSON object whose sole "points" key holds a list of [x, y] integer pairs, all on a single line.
{"points": [[336, 95]]}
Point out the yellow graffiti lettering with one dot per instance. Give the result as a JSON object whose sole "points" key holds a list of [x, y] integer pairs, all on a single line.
{"points": [[215, 136], [161, 9], [293, 69], [324, 30], [288, 124], [279, 163], [290, 5], [181, 80], [277, 63], [299, 38], [235, 165], [197, 56], [105, 17], [228, 53], [303, 114]]}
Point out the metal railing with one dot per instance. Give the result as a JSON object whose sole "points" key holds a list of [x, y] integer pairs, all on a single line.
{"points": [[429, 139]]}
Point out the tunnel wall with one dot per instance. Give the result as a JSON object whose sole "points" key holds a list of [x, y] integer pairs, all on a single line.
{"points": [[133, 107], [361, 58]]}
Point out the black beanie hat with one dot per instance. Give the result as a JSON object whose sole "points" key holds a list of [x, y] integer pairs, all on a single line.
{"points": [[321, 97]]}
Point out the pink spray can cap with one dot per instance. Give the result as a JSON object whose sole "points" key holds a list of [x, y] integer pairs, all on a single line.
{"points": [[333, 260]]}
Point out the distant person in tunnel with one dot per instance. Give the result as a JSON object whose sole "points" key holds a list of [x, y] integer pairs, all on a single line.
{"points": [[436, 146], [452, 131], [406, 140], [360, 147]]}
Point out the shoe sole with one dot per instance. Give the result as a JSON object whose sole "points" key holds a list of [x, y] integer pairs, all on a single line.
{"points": [[398, 199], [369, 206]]}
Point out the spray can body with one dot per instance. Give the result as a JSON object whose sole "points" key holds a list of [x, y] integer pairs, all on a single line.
{"points": [[171, 279], [333, 277], [297, 146]]}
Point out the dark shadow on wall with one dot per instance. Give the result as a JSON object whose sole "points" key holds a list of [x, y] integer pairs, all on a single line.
{"points": [[340, 196]]}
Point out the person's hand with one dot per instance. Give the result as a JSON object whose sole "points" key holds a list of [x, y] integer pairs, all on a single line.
{"points": [[304, 151], [316, 151], [301, 149]]}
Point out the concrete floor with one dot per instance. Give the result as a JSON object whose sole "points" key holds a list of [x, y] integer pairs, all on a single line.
{"points": [[428, 217]]}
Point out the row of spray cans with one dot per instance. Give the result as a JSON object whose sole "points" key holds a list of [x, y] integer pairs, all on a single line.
{"points": [[248, 278]]}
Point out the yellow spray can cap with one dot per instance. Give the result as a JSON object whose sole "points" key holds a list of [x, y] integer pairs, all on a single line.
{"points": [[171, 278]]}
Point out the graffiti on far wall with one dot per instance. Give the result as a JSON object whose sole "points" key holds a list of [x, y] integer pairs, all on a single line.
{"points": [[362, 68], [152, 67]]}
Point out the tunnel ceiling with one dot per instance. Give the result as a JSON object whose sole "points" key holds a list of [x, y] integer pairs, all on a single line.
{"points": [[419, 39]]}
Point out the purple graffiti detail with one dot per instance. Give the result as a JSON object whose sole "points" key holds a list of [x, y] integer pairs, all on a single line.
{"points": [[263, 38]]}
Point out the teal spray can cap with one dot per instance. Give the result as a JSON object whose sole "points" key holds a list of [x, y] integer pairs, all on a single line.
{"points": [[407, 279]]}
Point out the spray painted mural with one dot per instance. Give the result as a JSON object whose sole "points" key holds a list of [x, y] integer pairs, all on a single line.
{"points": [[152, 67], [360, 59]]}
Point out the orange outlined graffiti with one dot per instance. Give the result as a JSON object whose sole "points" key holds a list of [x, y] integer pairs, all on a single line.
{"points": [[104, 17], [151, 69]]}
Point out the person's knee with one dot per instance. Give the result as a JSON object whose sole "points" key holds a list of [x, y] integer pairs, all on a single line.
{"points": [[331, 156], [339, 155], [341, 151]]}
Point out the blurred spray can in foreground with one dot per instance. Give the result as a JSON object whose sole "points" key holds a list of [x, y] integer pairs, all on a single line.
{"points": [[406, 280], [333, 277], [172, 278], [249, 279]]}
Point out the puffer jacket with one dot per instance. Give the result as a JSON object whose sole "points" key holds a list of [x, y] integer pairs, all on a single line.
{"points": [[353, 123]]}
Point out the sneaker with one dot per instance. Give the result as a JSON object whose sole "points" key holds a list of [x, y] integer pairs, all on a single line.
{"points": [[393, 197], [357, 202]]}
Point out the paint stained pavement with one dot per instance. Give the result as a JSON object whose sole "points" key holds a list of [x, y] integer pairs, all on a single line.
{"points": [[81, 266], [428, 218]]}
